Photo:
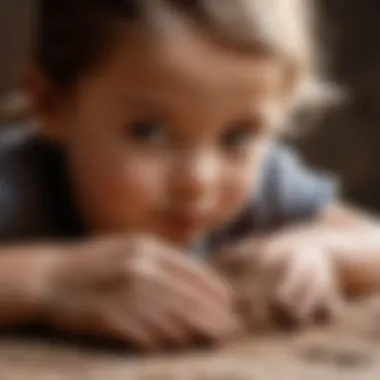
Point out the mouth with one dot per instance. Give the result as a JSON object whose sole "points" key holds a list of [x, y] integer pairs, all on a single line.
{"points": [[183, 223]]}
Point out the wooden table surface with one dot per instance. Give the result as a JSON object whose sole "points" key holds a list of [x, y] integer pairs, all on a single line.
{"points": [[349, 349]]}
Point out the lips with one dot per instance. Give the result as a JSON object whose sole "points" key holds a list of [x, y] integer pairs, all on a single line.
{"points": [[183, 223]]}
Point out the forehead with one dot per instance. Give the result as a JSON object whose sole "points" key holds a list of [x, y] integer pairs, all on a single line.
{"points": [[189, 61]]}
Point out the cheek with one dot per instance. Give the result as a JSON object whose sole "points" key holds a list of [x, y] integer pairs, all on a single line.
{"points": [[242, 179], [237, 189], [115, 185], [141, 180], [129, 180]]}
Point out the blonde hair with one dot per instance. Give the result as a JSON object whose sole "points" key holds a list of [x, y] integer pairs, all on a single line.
{"points": [[286, 29], [283, 28]]}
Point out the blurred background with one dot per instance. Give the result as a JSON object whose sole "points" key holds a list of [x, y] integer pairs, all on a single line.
{"points": [[346, 140]]}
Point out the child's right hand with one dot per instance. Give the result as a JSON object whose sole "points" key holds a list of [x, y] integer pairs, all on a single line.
{"points": [[138, 290]]}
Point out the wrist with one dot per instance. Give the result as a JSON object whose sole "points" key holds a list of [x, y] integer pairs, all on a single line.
{"points": [[25, 282], [41, 282]]}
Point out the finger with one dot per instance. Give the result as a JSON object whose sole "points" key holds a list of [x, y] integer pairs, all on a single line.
{"points": [[331, 306], [302, 289], [129, 328], [304, 265], [201, 277], [320, 292], [169, 328], [301, 306], [294, 279], [334, 303], [207, 318], [238, 254], [207, 327], [316, 293], [312, 299], [159, 256], [260, 250], [198, 311]]}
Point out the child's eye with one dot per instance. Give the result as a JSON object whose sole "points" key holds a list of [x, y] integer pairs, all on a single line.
{"points": [[239, 137], [234, 139], [147, 131]]}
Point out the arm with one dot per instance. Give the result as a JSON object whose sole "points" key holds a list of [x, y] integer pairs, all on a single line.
{"points": [[310, 265], [24, 273], [296, 205], [304, 195], [354, 239]]}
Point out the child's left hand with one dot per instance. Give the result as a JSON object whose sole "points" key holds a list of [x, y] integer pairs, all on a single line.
{"points": [[296, 266]]}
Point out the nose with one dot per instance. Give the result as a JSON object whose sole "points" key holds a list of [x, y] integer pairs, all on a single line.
{"points": [[195, 177]]}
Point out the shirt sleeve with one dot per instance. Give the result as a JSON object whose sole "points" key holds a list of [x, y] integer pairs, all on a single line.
{"points": [[23, 202], [288, 192]]}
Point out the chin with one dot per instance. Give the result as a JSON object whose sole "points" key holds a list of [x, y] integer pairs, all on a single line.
{"points": [[184, 240]]}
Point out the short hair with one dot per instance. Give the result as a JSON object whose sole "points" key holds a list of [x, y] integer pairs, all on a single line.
{"points": [[73, 35]]}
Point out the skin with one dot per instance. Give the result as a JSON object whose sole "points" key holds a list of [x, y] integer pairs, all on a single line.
{"points": [[165, 141], [148, 119]]}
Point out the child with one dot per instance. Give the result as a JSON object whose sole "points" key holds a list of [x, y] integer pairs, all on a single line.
{"points": [[155, 135]]}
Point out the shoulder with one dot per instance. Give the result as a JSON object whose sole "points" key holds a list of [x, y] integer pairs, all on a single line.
{"points": [[17, 151], [291, 189], [288, 191], [16, 145], [23, 200], [18, 156]]}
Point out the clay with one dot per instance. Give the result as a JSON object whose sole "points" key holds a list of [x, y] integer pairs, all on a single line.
{"points": [[254, 292], [344, 350], [341, 356]]}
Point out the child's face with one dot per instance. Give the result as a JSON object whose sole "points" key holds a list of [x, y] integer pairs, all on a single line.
{"points": [[168, 136]]}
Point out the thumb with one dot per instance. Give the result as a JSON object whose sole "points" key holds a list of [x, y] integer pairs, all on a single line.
{"points": [[237, 258]]}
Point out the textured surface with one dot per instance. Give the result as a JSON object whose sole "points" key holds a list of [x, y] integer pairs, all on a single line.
{"points": [[347, 350]]}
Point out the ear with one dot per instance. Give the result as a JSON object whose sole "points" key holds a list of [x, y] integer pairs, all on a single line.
{"points": [[45, 104]]}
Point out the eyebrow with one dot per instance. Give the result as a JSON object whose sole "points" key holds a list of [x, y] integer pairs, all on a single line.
{"points": [[145, 100]]}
